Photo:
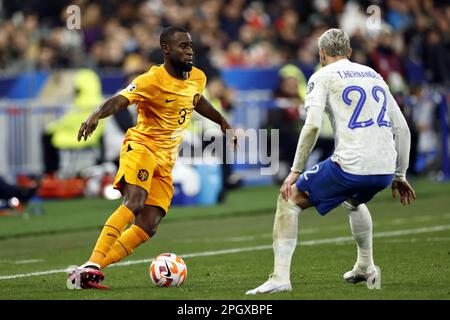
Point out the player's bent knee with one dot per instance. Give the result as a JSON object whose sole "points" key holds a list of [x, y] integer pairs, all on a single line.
{"points": [[135, 206], [350, 205], [134, 198], [300, 198], [150, 230]]}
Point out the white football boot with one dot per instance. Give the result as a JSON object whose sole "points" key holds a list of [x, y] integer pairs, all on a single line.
{"points": [[84, 277], [357, 275], [271, 286], [73, 277]]}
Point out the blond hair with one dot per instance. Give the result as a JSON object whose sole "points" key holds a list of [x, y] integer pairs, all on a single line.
{"points": [[335, 42]]}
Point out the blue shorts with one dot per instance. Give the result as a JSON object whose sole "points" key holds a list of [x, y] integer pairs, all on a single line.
{"points": [[328, 185]]}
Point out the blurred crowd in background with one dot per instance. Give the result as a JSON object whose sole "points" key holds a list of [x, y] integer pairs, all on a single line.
{"points": [[413, 36], [408, 46]]}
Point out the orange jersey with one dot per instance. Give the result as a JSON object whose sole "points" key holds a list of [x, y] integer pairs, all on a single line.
{"points": [[165, 105]]}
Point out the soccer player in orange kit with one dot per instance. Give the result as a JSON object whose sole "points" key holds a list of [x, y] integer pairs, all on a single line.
{"points": [[166, 96]]}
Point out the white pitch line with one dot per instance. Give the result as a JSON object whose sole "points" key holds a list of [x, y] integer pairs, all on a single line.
{"points": [[27, 261], [385, 234], [32, 274], [311, 230], [415, 240]]}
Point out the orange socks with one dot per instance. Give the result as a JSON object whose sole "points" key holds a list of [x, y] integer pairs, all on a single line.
{"points": [[112, 230], [125, 245]]}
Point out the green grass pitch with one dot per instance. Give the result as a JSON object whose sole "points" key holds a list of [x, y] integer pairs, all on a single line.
{"points": [[227, 249]]}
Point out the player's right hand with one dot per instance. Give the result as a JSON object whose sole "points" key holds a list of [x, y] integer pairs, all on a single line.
{"points": [[407, 193], [234, 140], [288, 182], [88, 127]]}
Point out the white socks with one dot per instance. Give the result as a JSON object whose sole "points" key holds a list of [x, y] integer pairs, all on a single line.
{"points": [[285, 229], [361, 226]]}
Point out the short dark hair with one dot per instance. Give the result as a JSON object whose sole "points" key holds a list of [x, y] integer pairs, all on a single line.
{"points": [[168, 33]]}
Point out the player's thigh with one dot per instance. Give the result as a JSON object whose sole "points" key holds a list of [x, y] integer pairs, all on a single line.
{"points": [[366, 187], [323, 186], [300, 198], [136, 168], [134, 197], [314, 182]]}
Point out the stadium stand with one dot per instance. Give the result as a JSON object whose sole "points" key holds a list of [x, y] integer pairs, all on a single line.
{"points": [[246, 43]]}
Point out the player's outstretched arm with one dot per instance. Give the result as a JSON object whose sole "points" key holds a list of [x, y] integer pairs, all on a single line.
{"points": [[109, 107], [206, 109]]}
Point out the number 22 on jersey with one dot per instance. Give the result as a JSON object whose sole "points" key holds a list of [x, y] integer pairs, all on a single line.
{"points": [[378, 94]]}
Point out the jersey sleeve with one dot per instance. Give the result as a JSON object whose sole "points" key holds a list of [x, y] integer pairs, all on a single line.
{"points": [[402, 137], [398, 121], [316, 98], [141, 88], [203, 81]]}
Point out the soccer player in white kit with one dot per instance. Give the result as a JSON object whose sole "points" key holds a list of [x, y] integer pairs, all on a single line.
{"points": [[372, 142]]}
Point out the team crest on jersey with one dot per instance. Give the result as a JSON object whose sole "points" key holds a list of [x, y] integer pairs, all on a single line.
{"points": [[310, 87], [196, 99], [131, 87], [143, 175]]}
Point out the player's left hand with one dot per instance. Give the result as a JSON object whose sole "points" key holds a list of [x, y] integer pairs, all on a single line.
{"points": [[288, 182], [407, 193]]}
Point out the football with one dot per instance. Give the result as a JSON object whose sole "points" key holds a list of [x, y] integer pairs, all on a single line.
{"points": [[168, 270]]}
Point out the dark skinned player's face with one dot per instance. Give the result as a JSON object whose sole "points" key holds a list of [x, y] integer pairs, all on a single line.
{"points": [[180, 51]]}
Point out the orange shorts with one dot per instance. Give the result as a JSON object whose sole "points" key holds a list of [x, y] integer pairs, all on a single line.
{"points": [[137, 166]]}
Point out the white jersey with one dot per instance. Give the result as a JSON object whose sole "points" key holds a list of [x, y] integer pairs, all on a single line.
{"points": [[363, 114]]}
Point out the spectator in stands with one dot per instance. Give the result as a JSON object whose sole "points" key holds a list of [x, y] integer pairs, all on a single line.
{"points": [[59, 134], [413, 42], [385, 58], [235, 55], [424, 112], [399, 15], [38, 37], [288, 30], [231, 18], [436, 57], [222, 98], [285, 116], [117, 125]]}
